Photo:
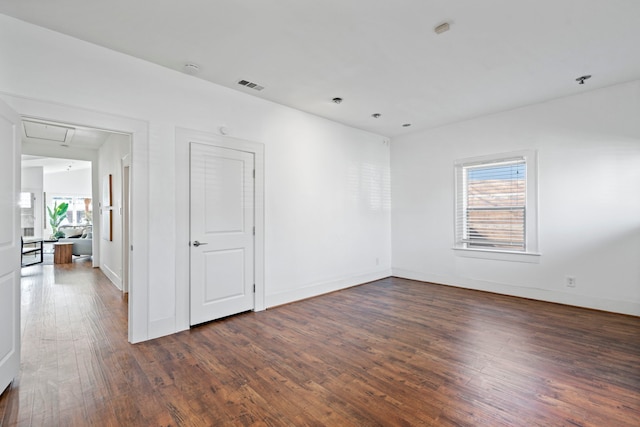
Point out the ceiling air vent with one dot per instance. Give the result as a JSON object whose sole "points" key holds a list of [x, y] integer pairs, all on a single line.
{"points": [[251, 85]]}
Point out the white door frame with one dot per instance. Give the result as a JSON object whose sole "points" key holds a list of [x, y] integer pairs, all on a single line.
{"points": [[125, 207], [139, 239], [183, 138]]}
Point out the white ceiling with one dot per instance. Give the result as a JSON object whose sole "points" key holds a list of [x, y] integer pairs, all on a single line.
{"points": [[51, 165], [379, 56]]}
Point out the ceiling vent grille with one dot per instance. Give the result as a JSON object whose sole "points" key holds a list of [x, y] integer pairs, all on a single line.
{"points": [[252, 85]]}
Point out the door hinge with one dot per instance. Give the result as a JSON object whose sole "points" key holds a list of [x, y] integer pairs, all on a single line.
{"points": [[254, 174], [254, 288], [254, 230]]}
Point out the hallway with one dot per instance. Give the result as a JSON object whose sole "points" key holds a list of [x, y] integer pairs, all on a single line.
{"points": [[72, 318]]}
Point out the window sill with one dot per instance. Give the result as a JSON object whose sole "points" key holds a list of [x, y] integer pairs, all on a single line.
{"points": [[528, 257]]}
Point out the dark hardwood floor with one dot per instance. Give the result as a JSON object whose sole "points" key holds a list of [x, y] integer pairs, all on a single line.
{"points": [[393, 352]]}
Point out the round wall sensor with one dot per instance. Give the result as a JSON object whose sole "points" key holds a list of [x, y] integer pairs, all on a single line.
{"points": [[223, 130]]}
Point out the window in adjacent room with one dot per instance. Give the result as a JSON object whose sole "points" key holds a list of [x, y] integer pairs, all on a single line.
{"points": [[496, 203], [80, 208]]}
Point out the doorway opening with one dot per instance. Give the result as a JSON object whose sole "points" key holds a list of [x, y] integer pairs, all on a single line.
{"points": [[137, 133], [67, 164]]}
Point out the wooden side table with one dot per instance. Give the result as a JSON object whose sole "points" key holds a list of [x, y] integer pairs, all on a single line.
{"points": [[62, 253]]}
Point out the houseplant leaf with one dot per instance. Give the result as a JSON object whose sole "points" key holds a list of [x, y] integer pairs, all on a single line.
{"points": [[57, 215]]}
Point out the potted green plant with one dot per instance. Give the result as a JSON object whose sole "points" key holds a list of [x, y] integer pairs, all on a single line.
{"points": [[56, 215]]}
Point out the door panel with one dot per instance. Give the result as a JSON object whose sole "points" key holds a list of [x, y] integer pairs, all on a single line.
{"points": [[9, 247], [224, 182], [222, 222], [6, 315], [225, 275]]}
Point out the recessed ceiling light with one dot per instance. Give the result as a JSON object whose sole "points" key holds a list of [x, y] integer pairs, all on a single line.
{"points": [[442, 28], [337, 100], [376, 115]]}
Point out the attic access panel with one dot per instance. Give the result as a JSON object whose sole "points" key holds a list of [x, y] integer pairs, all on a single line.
{"points": [[46, 131]]}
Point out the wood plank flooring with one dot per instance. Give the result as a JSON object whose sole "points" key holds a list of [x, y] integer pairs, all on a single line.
{"points": [[389, 353]]}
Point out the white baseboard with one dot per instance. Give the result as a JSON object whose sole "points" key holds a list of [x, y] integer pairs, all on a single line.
{"points": [[320, 288], [111, 275], [585, 301]]}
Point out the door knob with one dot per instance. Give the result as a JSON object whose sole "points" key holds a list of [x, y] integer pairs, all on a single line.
{"points": [[196, 243]]}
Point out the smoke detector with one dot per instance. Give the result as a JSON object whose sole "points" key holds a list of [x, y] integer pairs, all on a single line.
{"points": [[191, 69]]}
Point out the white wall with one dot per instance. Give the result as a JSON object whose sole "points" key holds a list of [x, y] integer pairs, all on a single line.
{"points": [[73, 183], [110, 163], [31, 177], [327, 214], [32, 182], [589, 200]]}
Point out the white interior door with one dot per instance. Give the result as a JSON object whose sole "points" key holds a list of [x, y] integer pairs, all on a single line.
{"points": [[10, 246], [222, 232]]}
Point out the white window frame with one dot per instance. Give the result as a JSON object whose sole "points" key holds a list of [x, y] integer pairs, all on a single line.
{"points": [[531, 246]]}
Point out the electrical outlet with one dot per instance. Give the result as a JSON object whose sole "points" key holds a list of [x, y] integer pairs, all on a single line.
{"points": [[571, 281]]}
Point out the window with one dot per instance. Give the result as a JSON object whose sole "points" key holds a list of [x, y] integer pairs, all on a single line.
{"points": [[496, 203], [80, 209]]}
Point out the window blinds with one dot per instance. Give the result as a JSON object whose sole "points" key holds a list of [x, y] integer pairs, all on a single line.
{"points": [[491, 205]]}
